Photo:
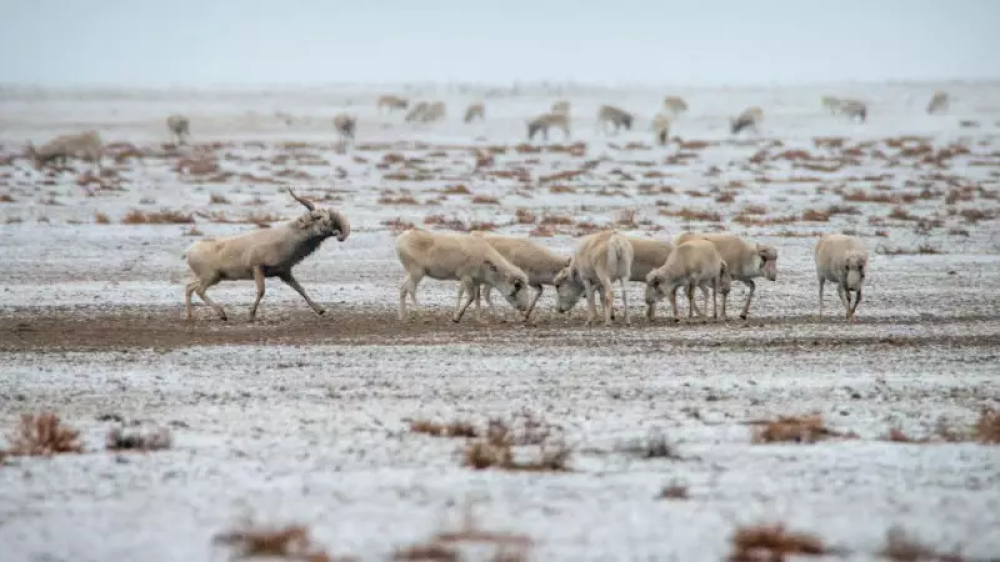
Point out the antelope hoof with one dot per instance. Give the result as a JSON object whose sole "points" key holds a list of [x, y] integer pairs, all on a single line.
{"points": [[743, 316], [321, 311]]}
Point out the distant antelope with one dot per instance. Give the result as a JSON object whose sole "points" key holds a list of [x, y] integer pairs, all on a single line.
{"points": [[617, 117], [85, 145], [675, 105], [661, 128], [939, 102], [346, 125], [417, 111], [831, 103], [560, 106], [545, 121], [857, 110], [435, 112], [751, 117], [392, 102], [475, 111], [180, 128]]}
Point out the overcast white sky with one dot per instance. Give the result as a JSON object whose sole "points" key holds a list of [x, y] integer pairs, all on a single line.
{"points": [[688, 42]]}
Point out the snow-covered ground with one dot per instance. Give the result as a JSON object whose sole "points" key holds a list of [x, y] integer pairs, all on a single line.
{"points": [[300, 418]]}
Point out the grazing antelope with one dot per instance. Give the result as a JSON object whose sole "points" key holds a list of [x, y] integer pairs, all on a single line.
{"points": [[392, 103], [939, 102], [180, 128], [675, 105], [614, 116], [750, 118], [346, 125], [475, 111], [545, 121]]}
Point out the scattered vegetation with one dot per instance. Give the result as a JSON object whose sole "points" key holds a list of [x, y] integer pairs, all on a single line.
{"points": [[496, 447], [524, 216], [445, 546], [901, 547], [101, 218], [795, 429], [772, 543], [400, 200], [485, 200], [653, 446], [674, 492], [164, 216], [43, 435], [398, 225], [922, 250], [156, 439], [6, 198], [216, 199], [291, 542]]}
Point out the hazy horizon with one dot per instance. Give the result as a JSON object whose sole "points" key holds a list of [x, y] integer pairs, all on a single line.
{"points": [[710, 43]]}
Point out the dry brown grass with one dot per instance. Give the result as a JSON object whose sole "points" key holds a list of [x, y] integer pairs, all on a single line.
{"points": [[973, 216], [561, 188], [43, 435], [987, 429], [6, 198], [901, 547], [772, 543], [561, 176], [921, 250], [674, 492], [815, 215], [156, 439], [399, 200], [496, 448], [444, 545], [625, 218], [101, 218], [482, 199], [901, 214], [193, 231], [725, 197], [164, 216], [216, 199], [524, 216], [455, 428], [398, 225], [457, 189], [692, 214], [556, 220], [794, 429], [542, 231], [291, 542]]}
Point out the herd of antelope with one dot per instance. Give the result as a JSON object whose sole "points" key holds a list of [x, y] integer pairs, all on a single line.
{"points": [[512, 264]]}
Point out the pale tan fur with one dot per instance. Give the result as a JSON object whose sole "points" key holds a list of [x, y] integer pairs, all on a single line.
{"points": [[269, 252], [471, 260], [392, 103], [345, 125], [855, 109], [661, 128], [691, 264], [612, 116], [750, 118], [599, 260], [435, 111], [475, 111], [831, 103], [417, 111], [546, 121], [647, 255], [843, 260], [179, 127], [675, 105], [744, 259], [561, 106], [939, 102], [85, 145], [539, 263]]}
